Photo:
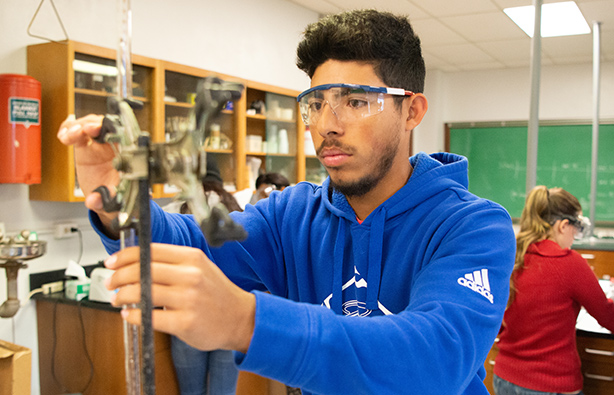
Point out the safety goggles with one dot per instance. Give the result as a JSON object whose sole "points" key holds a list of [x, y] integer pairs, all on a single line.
{"points": [[349, 102], [582, 225]]}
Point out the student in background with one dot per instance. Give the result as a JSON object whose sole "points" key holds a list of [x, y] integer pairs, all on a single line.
{"points": [[205, 372], [549, 284], [389, 278], [213, 185], [267, 183]]}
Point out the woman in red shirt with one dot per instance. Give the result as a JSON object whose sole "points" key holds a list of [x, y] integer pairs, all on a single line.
{"points": [[549, 285]]}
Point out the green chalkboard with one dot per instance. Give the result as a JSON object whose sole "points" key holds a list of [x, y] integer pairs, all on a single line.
{"points": [[498, 161]]}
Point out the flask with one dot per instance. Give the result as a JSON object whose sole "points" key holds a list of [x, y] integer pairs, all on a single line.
{"points": [[214, 142]]}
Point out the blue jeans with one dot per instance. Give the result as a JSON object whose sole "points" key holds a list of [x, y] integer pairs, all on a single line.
{"points": [[503, 387], [203, 372]]}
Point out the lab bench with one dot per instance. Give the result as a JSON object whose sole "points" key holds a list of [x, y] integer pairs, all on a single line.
{"points": [[71, 333], [595, 344], [80, 349]]}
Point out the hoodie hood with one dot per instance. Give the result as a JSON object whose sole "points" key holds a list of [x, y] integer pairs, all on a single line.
{"points": [[450, 170]]}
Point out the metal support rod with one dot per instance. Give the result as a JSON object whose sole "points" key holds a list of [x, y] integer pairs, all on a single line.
{"points": [[147, 350], [596, 100], [533, 131]]}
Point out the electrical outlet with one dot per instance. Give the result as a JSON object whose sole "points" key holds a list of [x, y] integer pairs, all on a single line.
{"points": [[63, 231], [49, 288]]}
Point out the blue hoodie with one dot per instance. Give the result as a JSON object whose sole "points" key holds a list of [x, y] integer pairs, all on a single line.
{"points": [[408, 302]]}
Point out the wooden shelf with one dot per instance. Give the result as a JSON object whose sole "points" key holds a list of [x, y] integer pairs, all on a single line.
{"points": [[178, 104], [92, 92], [270, 154], [281, 120], [219, 151], [257, 116]]}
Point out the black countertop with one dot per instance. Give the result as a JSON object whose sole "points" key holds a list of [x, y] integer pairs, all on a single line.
{"points": [[59, 297], [594, 244]]}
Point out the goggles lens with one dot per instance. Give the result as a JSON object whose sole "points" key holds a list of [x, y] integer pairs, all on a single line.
{"points": [[348, 102], [582, 225]]}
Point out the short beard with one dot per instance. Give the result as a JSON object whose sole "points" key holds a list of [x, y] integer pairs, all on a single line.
{"points": [[367, 183]]}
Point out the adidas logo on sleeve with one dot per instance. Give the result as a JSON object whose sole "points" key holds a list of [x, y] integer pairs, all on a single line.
{"points": [[478, 282]]}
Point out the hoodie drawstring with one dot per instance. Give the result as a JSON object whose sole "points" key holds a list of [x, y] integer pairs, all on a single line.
{"points": [[376, 241], [338, 256]]}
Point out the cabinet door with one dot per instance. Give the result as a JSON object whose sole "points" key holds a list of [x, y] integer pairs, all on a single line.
{"points": [[281, 136], [597, 356], [179, 95], [602, 262], [77, 78], [314, 171], [95, 81]]}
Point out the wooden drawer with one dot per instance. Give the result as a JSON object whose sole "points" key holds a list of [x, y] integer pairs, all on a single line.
{"points": [[602, 262], [597, 356], [595, 385], [596, 349]]}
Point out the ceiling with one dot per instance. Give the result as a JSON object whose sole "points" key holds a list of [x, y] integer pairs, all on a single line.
{"points": [[462, 35]]}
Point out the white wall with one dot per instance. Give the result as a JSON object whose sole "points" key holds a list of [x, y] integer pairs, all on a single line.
{"points": [[566, 93], [255, 40]]}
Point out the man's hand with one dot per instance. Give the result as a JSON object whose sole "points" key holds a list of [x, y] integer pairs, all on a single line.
{"points": [[93, 161], [200, 304]]}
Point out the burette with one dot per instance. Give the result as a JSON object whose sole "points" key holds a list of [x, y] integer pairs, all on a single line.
{"points": [[180, 162]]}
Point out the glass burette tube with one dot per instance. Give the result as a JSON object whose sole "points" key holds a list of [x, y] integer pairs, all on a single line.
{"points": [[132, 354]]}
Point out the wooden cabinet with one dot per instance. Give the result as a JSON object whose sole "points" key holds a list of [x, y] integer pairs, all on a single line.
{"points": [[72, 334], [80, 349], [78, 78], [602, 262], [274, 133], [597, 355], [178, 84]]}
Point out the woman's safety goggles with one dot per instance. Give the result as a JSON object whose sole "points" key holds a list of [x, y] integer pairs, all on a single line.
{"points": [[349, 102], [582, 225]]}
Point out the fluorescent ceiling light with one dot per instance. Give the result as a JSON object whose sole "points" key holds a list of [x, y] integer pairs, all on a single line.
{"points": [[94, 68], [558, 19]]}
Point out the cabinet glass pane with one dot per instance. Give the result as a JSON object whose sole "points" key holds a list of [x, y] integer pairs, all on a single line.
{"points": [[281, 135], [95, 80], [283, 165], [97, 74], [280, 125], [314, 171], [180, 88], [180, 94]]}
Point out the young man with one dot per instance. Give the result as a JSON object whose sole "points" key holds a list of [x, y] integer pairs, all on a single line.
{"points": [[390, 278]]}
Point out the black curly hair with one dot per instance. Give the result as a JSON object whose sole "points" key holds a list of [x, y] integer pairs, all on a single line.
{"points": [[382, 39]]}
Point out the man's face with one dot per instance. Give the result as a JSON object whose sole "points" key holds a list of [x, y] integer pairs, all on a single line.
{"points": [[358, 155]]}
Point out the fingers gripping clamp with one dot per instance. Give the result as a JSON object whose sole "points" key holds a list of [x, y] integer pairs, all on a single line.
{"points": [[120, 128]]}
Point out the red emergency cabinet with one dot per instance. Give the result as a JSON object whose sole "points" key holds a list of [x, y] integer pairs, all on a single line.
{"points": [[20, 129]]}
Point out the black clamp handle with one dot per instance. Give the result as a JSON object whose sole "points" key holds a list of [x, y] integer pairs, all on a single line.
{"points": [[219, 227], [108, 126], [109, 204]]}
